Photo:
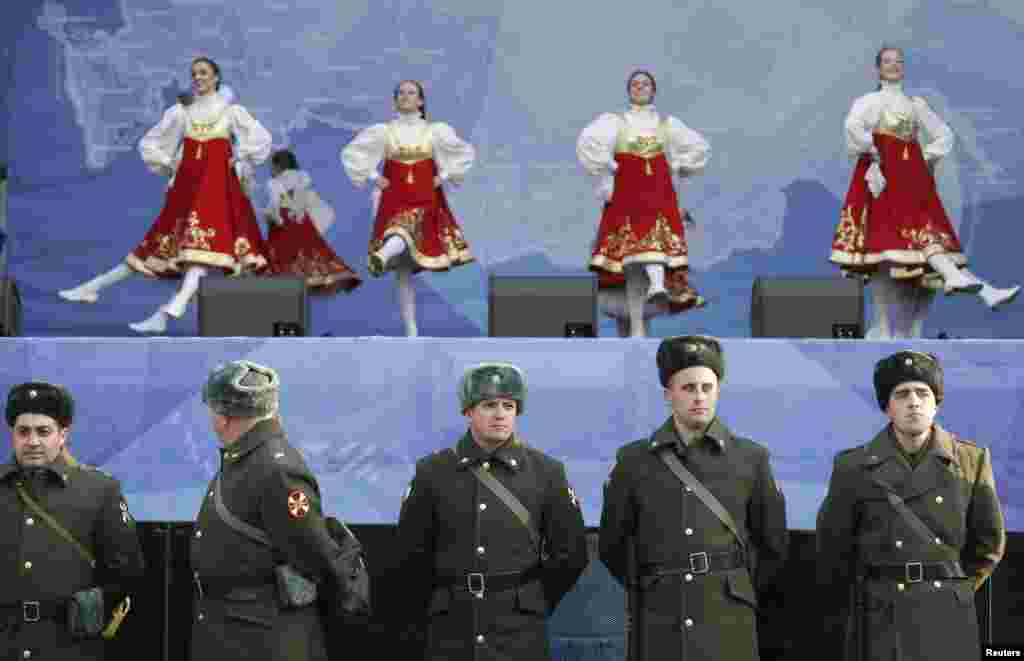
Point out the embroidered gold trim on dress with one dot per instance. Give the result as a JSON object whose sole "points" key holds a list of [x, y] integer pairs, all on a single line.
{"points": [[408, 225]]}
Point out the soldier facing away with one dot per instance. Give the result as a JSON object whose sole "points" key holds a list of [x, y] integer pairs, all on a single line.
{"points": [[910, 528], [262, 551], [693, 524], [490, 533], [70, 552]]}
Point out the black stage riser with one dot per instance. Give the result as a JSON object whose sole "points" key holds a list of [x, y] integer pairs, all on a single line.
{"points": [[159, 625]]}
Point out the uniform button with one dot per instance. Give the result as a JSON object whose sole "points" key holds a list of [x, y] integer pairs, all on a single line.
{"points": [[487, 465], [899, 543], [513, 463], [201, 617], [938, 499], [195, 574], [27, 654], [480, 639], [688, 578], [28, 564], [937, 584], [689, 489], [938, 541], [30, 521], [199, 533], [210, 494], [483, 506], [688, 531], [901, 587], [688, 622], [480, 550]]}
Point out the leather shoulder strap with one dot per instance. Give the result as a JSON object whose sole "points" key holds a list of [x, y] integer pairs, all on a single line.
{"points": [[913, 520], [510, 501], [236, 524], [54, 524], [669, 458]]}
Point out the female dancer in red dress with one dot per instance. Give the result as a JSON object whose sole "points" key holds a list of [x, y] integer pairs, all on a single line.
{"points": [[640, 242], [298, 218], [893, 228], [414, 229], [207, 219]]}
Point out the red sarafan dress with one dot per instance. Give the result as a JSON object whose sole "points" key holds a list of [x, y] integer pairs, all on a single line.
{"points": [[635, 155], [413, 151], [298, 218], [207, 218], [906, 224]]}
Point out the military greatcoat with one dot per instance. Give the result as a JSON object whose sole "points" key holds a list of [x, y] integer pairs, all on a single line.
{"points": [[40, 570], [456, 536], [238, 615], [697, 589], [905, 593]]}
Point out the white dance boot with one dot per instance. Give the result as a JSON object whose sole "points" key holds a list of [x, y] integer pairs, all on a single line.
{"points": [[88, 292], [956, 281], [994, 297], [155, 324]]}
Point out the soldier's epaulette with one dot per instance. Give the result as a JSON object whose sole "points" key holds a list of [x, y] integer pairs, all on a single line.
{"points": [[437, 457], [965, 441], [94, 469], [849, 454]]}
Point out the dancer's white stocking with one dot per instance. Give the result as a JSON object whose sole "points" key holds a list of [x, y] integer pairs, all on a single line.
{"points": [[922, 302], [87, 292], [656, 276], [407, 299], [189, 285], [393, 247], [636, 297], [955, 279]]}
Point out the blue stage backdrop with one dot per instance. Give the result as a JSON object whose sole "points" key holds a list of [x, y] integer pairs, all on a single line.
{"points": [[769, 85], [362, 411]]}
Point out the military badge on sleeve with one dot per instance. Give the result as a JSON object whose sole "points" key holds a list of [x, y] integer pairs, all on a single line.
{"points": [[298, 504]]}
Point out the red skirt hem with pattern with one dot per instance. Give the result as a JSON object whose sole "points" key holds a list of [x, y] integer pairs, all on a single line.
{"points": [[207, 219], [297, 248], [642, 224], [901, 228], [413, 208]]}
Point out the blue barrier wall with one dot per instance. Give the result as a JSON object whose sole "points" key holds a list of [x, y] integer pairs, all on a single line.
{"points": [[362, 410]]}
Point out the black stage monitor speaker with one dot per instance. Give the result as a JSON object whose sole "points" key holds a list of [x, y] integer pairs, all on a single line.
{"points": [[807, 307], [542, 305], [253, 306], [10, 308]]}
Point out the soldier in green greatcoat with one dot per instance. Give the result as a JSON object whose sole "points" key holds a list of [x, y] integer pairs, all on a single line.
{"points": [[707, 554], [910, 528], [69, 552]]}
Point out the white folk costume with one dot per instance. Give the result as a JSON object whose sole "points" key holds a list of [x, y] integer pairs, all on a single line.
{"points": [[634, 156], [297, 218], [207, 219], [893, 227], [414, 228]]}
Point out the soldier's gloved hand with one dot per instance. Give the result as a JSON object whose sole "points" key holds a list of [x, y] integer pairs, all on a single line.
{"points": [[86, 613]]}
